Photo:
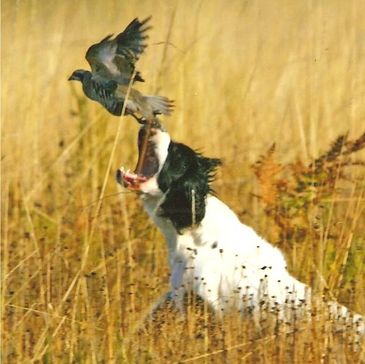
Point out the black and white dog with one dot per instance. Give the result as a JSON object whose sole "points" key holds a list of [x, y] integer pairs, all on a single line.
{"points": [[211, 253]]}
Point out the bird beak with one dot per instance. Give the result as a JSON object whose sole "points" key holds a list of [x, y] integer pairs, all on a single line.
{"points": [[72, 77]]}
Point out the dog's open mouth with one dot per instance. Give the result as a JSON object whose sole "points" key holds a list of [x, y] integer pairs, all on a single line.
{"points": [[147, 165]]}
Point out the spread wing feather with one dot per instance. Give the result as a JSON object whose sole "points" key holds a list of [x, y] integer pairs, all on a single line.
{"points": [[114, 59]]}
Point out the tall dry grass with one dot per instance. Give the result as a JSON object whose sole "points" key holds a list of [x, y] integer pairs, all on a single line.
{"points": [[79, 274]]}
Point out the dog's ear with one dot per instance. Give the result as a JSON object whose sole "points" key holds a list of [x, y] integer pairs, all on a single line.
{"points": [[185, 178]]}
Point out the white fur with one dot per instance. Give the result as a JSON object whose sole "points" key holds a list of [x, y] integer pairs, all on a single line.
{"points": [[230, 266], [223, 260]]}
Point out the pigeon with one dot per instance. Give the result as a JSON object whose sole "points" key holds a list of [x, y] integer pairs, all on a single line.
{"points": [[112, 95], [112, 62], [114, 59]]}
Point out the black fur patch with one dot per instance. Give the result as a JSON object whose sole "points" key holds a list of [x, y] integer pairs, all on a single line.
{"points": [[185, 178]]}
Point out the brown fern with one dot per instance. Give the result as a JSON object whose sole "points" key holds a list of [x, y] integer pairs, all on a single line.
{"points": [[332, 154], [266, 170], [291, 192], [356, 145]]}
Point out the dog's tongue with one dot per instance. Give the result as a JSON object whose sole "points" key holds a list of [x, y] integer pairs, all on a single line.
{"points": [[147, 164]]}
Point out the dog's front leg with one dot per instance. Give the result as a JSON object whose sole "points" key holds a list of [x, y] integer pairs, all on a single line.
{"points": [[177, 282], [173, 299], [164, 302]]}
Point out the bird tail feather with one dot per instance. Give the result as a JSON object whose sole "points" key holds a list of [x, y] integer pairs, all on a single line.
{"points": [[160, 104]]}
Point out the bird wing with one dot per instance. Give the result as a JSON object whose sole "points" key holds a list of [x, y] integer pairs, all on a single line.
{"points": [[131, 42], [98, 53], [115, 58]]}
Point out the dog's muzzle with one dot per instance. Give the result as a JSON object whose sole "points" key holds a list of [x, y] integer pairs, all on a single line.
{"points": [[129, 179]]}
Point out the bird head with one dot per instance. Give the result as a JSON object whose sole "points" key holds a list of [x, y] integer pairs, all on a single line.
{"points": [[78, 75]]}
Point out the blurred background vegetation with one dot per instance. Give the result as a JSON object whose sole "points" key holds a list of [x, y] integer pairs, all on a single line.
{"points": [[78, 276]]}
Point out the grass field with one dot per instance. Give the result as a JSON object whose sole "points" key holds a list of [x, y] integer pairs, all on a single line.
{"points": [[82, 264]]}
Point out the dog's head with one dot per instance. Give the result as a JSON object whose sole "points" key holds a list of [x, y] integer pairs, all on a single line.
{"points": [[177, 173]]}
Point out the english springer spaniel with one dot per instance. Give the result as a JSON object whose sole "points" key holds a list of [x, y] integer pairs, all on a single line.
{"points": [[211, 253]]}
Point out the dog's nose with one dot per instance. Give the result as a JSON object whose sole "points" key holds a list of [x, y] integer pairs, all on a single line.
{"points": [[118, 176]]}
